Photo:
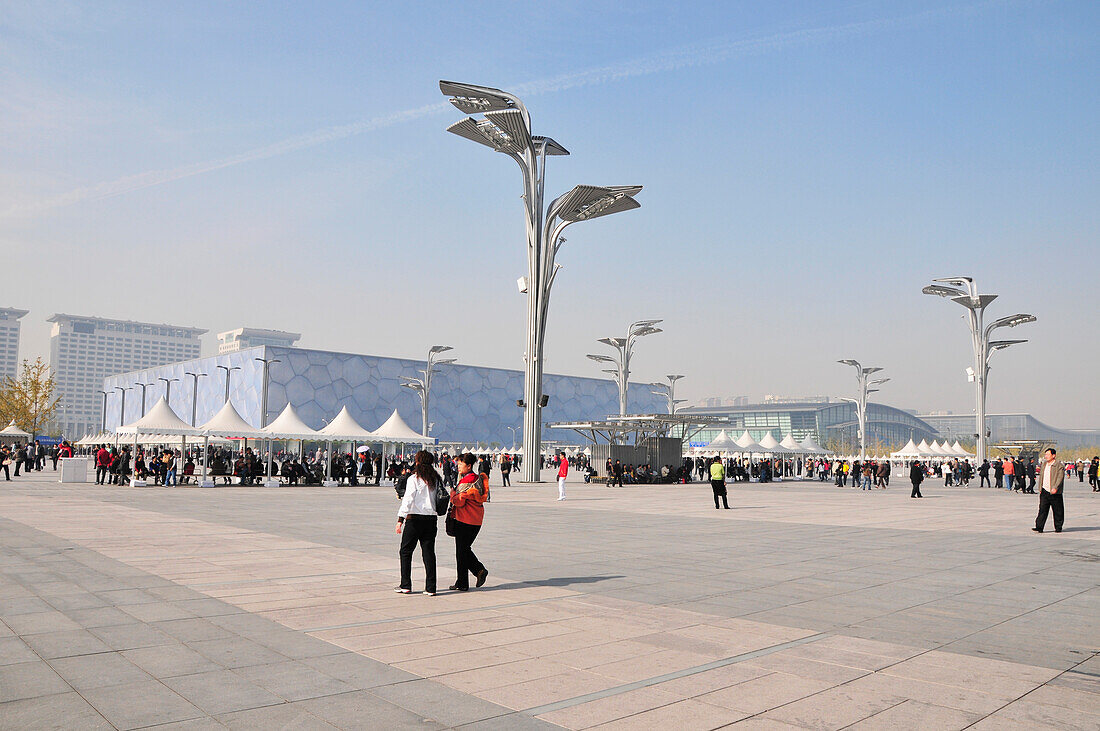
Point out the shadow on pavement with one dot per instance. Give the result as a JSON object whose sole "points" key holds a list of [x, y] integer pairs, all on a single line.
{"points": [[559, 581]]}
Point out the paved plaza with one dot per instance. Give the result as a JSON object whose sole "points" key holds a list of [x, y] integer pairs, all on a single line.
{"points": [[804, 606]]}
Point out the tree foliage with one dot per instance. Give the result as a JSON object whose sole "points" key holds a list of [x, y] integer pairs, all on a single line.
{"points": [[29, 400]]}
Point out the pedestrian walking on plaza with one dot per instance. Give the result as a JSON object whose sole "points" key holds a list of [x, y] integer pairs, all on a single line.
{"points": [[983, 472], [468, 501], [718, 482], [417, 522], [505, 470], [102, 464], [1051, 479], [916, 476], [1094, 474], [1010, 474], [563, 472], [5, 460]]}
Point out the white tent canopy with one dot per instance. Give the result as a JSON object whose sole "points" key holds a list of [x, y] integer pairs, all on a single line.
{"points": [[768, 445], [723, 443], [960, 450], [12, 431], [746, 443], [789, 442], [344, 428], [923, 450], [811, 446], [228, 422], [909, 450], [396, 430], [288, 425], [160, 419]]}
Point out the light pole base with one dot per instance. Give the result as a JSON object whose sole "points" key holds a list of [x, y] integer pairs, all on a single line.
{"points": [[330, 483], [272, 483], [138, 483], [206, 483]]}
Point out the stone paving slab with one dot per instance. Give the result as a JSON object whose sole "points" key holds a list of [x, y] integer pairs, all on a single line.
{"points": [[806, 606]]}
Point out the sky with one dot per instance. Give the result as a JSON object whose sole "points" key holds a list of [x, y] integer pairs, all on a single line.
{"points": [[808, 168]]}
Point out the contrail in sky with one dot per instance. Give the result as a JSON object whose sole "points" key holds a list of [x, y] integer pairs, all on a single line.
{"points": [[671, 60]]}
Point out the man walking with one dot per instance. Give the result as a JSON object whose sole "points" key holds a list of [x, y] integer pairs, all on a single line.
{"points": [[718, 482], [563, 472], [1051, 478], [916, 476]]}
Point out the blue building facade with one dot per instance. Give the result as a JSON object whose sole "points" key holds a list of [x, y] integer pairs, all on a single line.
{"points": [[468, 403]]}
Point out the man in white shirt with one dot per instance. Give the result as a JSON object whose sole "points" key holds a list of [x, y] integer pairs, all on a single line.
{"points": [[1051, 478]]}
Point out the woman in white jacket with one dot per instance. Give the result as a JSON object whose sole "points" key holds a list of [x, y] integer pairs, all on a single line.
{"points": [[417, 523]]}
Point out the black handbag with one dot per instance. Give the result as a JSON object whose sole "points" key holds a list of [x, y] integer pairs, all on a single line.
{"points": [[451, 523]]}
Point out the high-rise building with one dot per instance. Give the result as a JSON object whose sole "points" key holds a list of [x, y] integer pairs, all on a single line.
{"points": [[9, 341], [232, 341], [85, 350]]}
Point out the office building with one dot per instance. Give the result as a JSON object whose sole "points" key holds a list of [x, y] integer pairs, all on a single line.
{"points": [[467, 403], [85, 350], [243, 338], [9, 341]]}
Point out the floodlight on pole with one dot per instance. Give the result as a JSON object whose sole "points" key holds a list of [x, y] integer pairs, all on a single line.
{"points": [[228, 373], [263, 405], [861, 402], [624, 348], [423, 385], [122, 406], [144, 386], [505, 126], [103, 418], [669, 392], [168, 388], [194, 392], [963, 291]]}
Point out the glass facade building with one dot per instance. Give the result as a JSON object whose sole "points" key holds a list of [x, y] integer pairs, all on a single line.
{"points": [[832, 422]]}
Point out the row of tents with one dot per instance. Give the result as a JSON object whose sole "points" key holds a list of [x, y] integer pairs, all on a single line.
{"points": [[935, 449], [745, 444]]}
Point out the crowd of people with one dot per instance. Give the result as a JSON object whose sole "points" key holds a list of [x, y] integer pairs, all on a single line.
{"points": [[31, 456]]}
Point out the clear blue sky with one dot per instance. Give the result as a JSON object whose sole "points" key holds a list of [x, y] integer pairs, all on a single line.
{"points": [[807, 167]]}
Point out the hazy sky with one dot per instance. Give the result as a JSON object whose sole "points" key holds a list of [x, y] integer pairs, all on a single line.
{"points": [[808, 167]]}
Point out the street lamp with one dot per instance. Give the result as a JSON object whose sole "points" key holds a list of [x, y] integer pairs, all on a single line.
{"points": [[194, 391], [168, 388], [963, 291], [103, 420], [228, 373], [423, 386], [513, 430], [506, 128], [263, 405], [122, 406], [669, 392], [861, 402], [143, 388], [624, 347]]}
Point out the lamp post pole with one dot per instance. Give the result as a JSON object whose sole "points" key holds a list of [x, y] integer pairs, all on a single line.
{"points": [[263, 404], [963, 291], [103, 419], [423, 385], [194, 392], [513, 430], [144, 387], [862, 375], [669, 392], [228, 373], [624, 348], [506, 128], [122, 406], [168, 389]]}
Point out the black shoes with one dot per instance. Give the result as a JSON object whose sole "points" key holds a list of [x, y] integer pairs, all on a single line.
{"points": [[1037, 530], [481, 577], [456, 587]]}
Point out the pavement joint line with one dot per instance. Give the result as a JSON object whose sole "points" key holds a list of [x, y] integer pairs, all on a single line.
{"points": [[436, 614], [246, 582], [657, 679]]}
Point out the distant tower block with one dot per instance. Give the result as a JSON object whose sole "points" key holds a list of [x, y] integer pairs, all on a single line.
{"points": [[232, 341]]}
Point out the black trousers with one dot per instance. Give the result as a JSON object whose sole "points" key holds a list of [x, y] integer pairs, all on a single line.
{"points": [[418, 529], [504, 476], [468, 563], [100, 475], [719, 489], [616, 479], [916, 490], [1048, 502]]}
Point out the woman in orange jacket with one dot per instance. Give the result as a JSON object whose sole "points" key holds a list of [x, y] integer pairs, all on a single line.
{"points": [[468, 500]]}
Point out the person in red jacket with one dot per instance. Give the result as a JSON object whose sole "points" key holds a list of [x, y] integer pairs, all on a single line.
{"points": [[102, 464], [468, 500], [563, 472]]}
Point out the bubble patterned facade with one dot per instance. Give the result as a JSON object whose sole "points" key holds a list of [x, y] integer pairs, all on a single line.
{"points": [[468, 403]]}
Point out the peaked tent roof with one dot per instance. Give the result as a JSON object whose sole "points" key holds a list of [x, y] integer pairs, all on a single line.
{"points": [[723, 442], [810, 445], [288, 425], [768, 444], [160, 419], [345, 428], [11, 430], [909, 450], [396, 430], [923, 449], [228, 422], [789, 442], [747, 443], [960, 450]]}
